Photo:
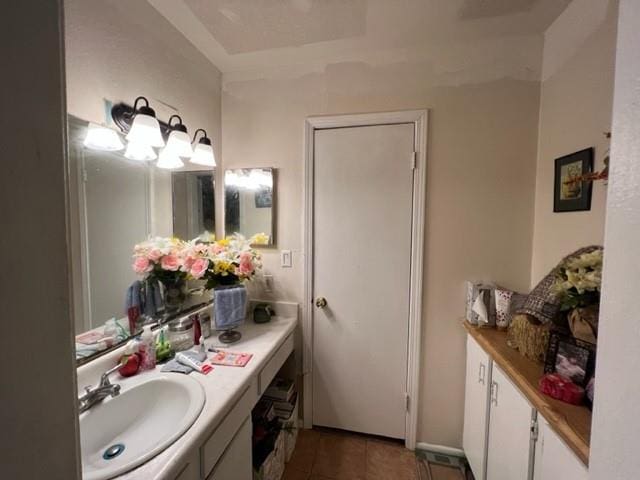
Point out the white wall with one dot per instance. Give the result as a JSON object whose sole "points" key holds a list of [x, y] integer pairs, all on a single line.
{"points": [[614, 437], [38, 414], [575, 110], [484, 101]]}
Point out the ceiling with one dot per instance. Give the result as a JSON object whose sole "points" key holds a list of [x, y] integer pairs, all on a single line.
{"points": [[239, 35]]}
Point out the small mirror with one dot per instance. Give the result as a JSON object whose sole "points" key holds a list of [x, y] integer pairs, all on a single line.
{"points": [[249, 195], [193, 204]]}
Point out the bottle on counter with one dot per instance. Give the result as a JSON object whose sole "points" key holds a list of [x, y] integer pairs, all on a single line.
{"points": [[147, 349]]}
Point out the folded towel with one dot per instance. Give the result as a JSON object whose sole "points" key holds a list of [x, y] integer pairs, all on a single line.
{"points": [[134, 297], [229, 304], [152, 298]]}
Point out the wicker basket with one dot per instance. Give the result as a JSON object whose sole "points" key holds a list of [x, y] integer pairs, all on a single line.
{"points": [[529, 337]]}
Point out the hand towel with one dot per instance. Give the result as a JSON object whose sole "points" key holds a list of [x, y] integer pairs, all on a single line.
{"points": [[133, 298], [229, 305], [152, 298]]}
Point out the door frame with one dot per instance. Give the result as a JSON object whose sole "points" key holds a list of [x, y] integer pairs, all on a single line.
{"points": [[419, 118]]}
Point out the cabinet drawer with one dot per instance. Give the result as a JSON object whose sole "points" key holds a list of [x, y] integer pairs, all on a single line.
{"points": [[215, 445], [274, 364]]}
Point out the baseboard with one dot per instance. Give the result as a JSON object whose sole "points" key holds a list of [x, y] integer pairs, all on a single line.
{"points": [[430, 447]]}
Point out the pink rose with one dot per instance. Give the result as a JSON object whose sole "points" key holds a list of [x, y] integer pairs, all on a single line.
{"points": [[246, 264], [216, 249], [199, 267], [187, 263], [141, 265], [170, 262], [154, 255]]}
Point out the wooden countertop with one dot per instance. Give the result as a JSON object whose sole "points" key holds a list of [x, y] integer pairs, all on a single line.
{"points": [[571, 422]]}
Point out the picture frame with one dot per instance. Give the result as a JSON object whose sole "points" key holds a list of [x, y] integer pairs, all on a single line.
{"points": [[264, 198], [570, 357], [576, 196]]}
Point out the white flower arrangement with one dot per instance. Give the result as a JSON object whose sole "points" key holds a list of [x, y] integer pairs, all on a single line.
{"points": [[578, 281]]}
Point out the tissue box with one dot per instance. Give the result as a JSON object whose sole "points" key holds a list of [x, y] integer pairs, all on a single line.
{"points": [[487, 293]]}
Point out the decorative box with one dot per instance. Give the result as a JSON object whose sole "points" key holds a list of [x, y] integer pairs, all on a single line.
{"points": [[561, 388]]}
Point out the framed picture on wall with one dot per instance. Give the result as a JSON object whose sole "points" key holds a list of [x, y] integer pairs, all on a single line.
{"points": [[570, 195]]}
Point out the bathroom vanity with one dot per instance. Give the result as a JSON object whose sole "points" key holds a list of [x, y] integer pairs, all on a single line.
{"points": [[217, 446], [511, 430]]}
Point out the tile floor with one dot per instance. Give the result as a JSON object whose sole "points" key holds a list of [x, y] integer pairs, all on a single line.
{"points": [[335, 455]]}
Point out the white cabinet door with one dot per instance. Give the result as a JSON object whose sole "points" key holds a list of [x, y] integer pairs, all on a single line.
{"points": [[235, 463], [554, 459], [509, 430], [476, 407], [191, 471]]}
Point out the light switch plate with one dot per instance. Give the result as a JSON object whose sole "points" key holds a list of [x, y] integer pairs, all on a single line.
{"points": [[285, 258], [268, 282]]}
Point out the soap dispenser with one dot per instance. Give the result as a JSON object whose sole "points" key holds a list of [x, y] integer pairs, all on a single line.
{"points": [[147, 349]]}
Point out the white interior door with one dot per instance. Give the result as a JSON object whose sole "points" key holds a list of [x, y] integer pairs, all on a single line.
{"points": [[363, 187]]}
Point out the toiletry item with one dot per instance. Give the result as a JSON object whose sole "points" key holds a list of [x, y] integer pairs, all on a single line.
{"points": [[262, 313], [181, 334], [163, 346], [190, 359], [202, 350], [133, 306], [113, 329], [197, 331], [147, 349], [130, 361], [205, 324]]}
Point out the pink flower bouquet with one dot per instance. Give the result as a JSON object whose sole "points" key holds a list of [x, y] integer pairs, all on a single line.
{"points": [[225, 262]]}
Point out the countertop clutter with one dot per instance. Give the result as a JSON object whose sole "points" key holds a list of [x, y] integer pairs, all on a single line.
{"points": [[224, 387], [571, 422]]}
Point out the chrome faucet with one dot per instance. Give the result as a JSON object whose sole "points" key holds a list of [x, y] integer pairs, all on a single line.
{"points": [[104, 389]]}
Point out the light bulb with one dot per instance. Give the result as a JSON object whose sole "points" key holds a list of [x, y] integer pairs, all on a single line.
{"points": [[139, 151], [203, 155], [180, 143], [145, 130], [169, 160], [102, 138]]}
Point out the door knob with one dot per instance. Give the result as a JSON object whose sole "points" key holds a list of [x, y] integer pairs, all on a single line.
{"points": [[321, 302]]}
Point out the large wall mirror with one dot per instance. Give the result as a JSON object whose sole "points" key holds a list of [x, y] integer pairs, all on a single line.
{"points": [[116, 203], [250, 195]]}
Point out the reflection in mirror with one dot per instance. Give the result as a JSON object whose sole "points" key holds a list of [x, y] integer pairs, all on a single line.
{"points": [[116, 203], [193, 204], [249, 195]]}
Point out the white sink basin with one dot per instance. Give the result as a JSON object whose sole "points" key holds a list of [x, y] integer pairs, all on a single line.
{"points": [[145, 418]]}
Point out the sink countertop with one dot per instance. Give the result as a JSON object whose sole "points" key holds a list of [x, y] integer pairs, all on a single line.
{"points": [[223, 386]]}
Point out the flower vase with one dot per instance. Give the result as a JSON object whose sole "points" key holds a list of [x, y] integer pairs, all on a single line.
{"points": [[175, 294]]}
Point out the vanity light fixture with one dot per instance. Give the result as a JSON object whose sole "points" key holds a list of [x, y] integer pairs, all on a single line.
{"points": [[145, 128], [179, 142], [169, 160], [139, 151], [203, 151], [102, 138]]}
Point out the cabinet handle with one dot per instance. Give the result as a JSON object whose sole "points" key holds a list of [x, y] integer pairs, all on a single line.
{"points": [[494, 393], [481, 373]]}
